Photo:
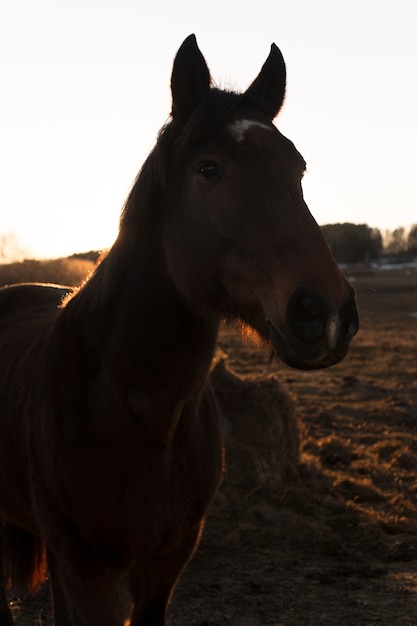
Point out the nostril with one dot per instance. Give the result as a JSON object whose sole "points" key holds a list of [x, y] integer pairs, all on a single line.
{"points": [[350, 318], [307, 315]]}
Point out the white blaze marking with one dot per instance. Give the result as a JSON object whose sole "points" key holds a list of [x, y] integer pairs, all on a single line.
{"points": [[239, 128], [333, 331]]}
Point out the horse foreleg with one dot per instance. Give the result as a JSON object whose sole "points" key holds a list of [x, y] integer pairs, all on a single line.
{"points": [[5, 614], [85, 593], [59, 605], [153, 581]]}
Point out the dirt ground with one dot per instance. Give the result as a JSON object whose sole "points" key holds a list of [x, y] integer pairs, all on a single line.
{"points": [[316, 523]]}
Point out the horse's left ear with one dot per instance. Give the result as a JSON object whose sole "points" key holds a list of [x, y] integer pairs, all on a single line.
{"points": [[269, 85], [190, 80]]}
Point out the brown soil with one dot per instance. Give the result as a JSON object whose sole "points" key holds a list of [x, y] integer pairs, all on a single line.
{"points": [[316, 523]]}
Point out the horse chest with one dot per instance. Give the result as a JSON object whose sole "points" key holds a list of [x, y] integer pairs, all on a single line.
{"points": [[149, 511], [143, 494]]}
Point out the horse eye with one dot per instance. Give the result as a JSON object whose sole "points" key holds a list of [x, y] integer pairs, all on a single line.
{"points": [[209, 171]]}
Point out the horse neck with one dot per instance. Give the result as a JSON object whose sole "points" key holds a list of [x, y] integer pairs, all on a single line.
{"points": [[137, 323]]}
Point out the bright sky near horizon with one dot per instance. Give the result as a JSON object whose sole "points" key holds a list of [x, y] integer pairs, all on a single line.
{"points": [[84, 90]]}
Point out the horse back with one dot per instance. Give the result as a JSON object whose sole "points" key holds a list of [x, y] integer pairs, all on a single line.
{"points": [[14, 298], [27, 316]]}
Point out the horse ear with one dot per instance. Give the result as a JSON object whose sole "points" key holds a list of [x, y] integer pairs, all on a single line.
{"points": [[269, 85], [190, 80]]}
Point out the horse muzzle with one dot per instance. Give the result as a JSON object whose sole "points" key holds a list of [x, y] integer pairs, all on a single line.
{"points": [[315, 334]]}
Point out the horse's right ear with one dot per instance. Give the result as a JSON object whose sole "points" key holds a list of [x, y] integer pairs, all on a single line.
{"points": [[190, 80]]}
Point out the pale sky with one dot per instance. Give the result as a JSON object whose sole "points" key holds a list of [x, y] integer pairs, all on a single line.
{"points": [[84, 89]]}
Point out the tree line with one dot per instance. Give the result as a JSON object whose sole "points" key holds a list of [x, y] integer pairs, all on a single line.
{"points": [[350, 243], [359, 243]]}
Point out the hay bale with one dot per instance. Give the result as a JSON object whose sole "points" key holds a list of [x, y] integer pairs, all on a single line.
{"points": [[260, 429]]}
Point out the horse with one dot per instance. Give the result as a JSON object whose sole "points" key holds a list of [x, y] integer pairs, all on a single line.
{"points": [[111, 449]]}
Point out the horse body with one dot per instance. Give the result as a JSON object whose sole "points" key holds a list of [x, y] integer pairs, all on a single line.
{"points": [[25, 322], [123, 401], [119, 420], [108, 418]]}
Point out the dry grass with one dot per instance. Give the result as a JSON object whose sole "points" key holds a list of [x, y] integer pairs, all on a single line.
{"points": [[338, 545], [70, 271]]}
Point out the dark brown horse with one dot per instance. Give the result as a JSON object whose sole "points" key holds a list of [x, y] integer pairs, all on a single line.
{"points": [[110, 446]]}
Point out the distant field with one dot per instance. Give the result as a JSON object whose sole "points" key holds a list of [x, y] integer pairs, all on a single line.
{"points": [[69, 271], [386, 293], [384, 278]]}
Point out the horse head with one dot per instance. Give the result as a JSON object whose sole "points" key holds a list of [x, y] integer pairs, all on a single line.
{"points": [[239, 238]]}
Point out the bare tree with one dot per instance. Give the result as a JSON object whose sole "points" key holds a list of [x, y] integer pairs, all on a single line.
{"points": [[395, 241], [412, 240]]}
